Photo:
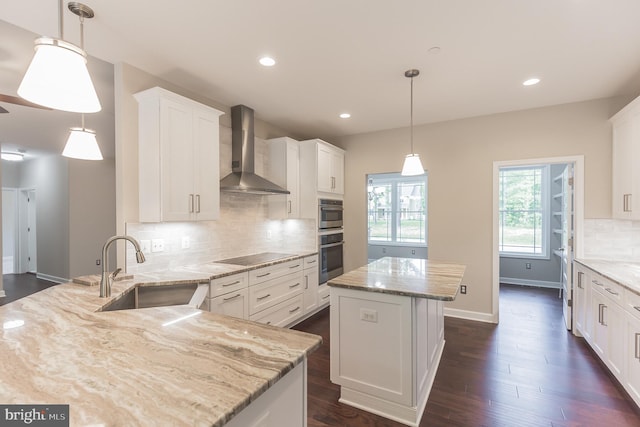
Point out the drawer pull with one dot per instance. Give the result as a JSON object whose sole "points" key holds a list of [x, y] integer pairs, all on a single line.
{"points": [[597, 283], [636, 307], [268, 323], [294, 310], [231, 284], [326, 296], [261, 298], [312, 261], [293, 286], [611, 292], [637, 353], [263, 275], [295, 266], [230, 298]]}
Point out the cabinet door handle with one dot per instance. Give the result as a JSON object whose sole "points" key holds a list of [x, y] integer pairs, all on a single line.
{"points": [[294, 310], [231, 284], [580, 274], [263, 297], [611, 292], [263, 275], [306, 282], [294, 286], [190, 203], [600, 313], [295, 266], [289, 206], [197, 203], [230, 298], [604, 323], [637, 353]]}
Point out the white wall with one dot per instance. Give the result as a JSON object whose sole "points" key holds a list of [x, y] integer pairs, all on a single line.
{"points": [[459, 157]]}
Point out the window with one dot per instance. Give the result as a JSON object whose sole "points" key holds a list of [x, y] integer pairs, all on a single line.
{"points": [[524, 211], [397, 212]]}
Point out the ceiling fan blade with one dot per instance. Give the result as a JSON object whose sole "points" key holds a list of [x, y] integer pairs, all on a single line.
{"points": [[19, 101], [3, 110]]}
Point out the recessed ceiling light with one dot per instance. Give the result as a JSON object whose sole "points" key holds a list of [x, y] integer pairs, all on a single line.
{"points": [[345, 115], [267, 61], [12, 157], [531, 82]]}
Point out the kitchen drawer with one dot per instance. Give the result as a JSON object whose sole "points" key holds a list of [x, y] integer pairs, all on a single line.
{"points": [[234, 304], [282, 314], [311, 261], [608, 288], [323, 294], [274, 291], [632, 303], [228, 284], [277, 270]]}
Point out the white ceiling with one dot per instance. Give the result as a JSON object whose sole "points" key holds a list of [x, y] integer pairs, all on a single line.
{"points": [[350, 55]]}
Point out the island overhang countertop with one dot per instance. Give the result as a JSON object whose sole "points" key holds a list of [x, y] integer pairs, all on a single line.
{"points": [[413, 277]]}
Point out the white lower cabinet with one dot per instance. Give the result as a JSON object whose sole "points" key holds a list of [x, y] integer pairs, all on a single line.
{"points": [[232, 304], [282, 405], [282, 314], [581, 286], [324, 295], [611, 326]]}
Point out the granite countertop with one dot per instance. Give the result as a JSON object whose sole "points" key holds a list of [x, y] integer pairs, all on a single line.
{"points": [[405, 276], [153, 366], [624, 273]]}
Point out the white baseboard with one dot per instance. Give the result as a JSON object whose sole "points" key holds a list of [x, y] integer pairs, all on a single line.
{"points": [[2, 293], [470, 315], [524, 282], [52, 278]]}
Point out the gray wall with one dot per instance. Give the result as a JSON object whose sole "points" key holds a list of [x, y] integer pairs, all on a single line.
{"points": [[459, 156]]}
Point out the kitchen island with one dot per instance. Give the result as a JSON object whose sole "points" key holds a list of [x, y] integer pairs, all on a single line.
{"points": [[154, 366], [387, 333]]}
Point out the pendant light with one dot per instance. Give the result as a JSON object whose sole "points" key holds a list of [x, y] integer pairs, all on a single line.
{"points": [[58, 77], [82, 144], [412, 164]]}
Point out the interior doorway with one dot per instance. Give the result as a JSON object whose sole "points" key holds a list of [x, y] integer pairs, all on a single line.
{"points": [[27, 234], [563, 205]]}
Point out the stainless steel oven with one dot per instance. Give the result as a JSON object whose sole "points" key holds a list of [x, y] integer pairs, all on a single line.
{"points": [[331, 256], [329, 214]]}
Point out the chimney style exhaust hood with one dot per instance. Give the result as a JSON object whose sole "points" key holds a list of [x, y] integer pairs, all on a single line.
{"points": [[243, 179]]}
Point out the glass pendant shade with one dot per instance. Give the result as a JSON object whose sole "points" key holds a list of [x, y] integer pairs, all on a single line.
{"points": [[82, 144], [412, 165], [58, 78]]}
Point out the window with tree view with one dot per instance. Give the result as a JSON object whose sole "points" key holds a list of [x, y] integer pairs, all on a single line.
{"points": [[524, 214], [397, 211]]}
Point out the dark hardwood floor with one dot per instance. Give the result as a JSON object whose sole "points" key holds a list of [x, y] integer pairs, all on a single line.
{"points": [[526, 371], [17, 286]]}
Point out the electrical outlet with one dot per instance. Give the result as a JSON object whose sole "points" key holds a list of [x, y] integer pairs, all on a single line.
{"points": [[145, 246], [186, 242], [463, 289], [97, 262], [527, 265], [157, 245], [369, 315]]}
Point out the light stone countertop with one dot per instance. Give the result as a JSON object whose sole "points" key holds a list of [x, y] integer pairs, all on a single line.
{"points": [[624, 273], [405, 276], [153, 366]]}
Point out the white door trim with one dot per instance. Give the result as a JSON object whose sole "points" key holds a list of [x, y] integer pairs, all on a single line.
{"points": [[578, 214]]}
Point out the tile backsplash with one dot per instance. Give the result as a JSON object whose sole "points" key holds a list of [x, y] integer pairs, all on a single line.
{"points": [[612, 239], [243, 228]]}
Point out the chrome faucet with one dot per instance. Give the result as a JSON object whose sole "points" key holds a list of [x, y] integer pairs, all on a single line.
{"points": [[105, 281]]}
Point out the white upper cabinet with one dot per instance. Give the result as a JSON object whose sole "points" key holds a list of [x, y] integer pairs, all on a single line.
{"points": [[284, 170], [626, 154], [178, 164], [330, 168]]}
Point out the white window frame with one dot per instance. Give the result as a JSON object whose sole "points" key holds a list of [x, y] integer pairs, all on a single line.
{"points": [[546, 214], [394, 179]]}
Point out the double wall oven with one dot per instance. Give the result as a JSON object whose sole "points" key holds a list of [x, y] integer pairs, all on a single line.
{"points": [[330, 238]]}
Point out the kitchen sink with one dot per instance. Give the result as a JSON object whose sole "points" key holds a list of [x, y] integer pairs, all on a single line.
{"points": [[160, 296]]}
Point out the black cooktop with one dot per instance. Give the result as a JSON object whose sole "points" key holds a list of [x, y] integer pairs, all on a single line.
{"points": [[254, 259]]}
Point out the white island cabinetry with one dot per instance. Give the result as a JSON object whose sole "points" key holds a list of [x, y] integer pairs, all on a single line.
{"points": [[396, 320], [178, 158]]}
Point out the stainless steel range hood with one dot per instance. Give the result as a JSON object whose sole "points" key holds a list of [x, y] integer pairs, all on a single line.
{"points": [[243, 179]]}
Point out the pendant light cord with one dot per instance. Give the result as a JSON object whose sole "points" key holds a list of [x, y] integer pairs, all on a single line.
{"points": [[60, 20], [411, 121]]}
